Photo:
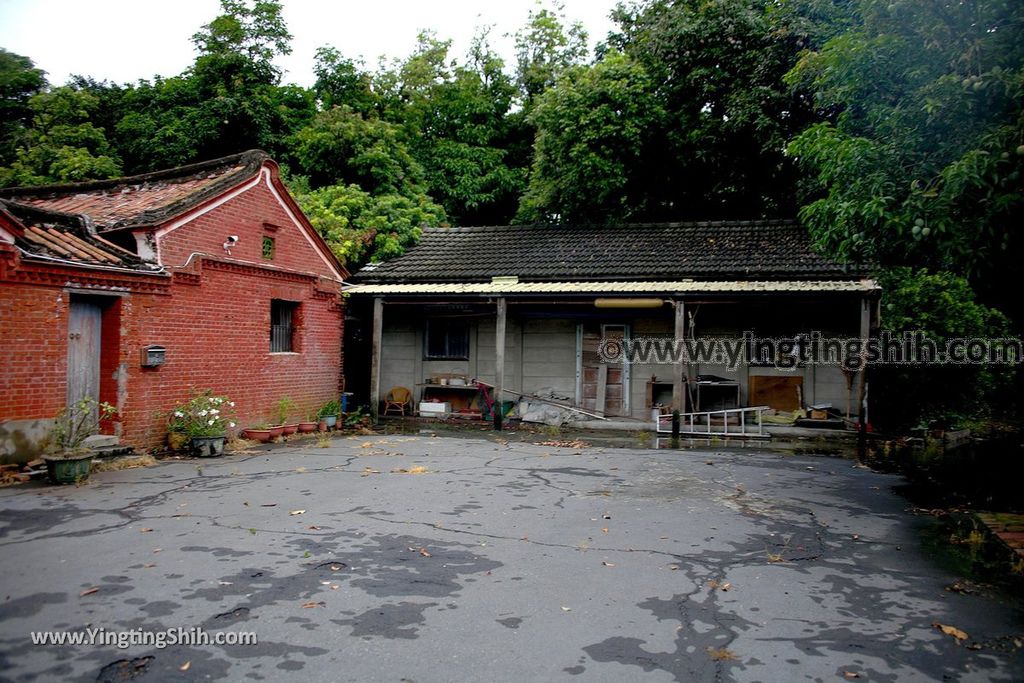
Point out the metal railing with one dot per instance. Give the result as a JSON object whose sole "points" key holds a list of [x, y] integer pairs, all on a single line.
{"points": [[717, 422]]}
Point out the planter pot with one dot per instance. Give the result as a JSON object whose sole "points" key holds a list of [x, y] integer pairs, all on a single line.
{"points": [[290, 429], [307, 427], [261, 435], [69, 469], [207, 446], [322, 425], [177, 440], [331, 420], [276, 431]]}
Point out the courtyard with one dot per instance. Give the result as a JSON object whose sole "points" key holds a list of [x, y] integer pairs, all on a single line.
{"points": [[419, 557]]}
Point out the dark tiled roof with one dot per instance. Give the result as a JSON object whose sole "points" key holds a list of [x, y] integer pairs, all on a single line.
{"points": [[735, 249], [142, 200], [54, 235]]}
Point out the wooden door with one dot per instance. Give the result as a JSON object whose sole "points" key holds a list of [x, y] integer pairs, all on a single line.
{"points": [[84, 323], [605, 386]]}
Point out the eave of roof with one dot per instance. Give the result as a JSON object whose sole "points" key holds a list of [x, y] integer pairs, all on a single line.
{"points": [[51, 237], [591, 288]]}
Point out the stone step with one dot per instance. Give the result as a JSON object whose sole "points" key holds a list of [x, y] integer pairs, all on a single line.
{"points": [[100, 441], [115, 451]]}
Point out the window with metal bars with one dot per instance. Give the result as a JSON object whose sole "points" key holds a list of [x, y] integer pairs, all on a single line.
{"points": [[268, 248], [282, 325]]}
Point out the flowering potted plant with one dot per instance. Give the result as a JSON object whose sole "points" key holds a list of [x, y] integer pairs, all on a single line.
{"points": [[69, 463], [205, 419]]}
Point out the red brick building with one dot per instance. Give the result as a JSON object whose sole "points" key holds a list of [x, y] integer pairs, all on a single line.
{"points": [[214, 263]]}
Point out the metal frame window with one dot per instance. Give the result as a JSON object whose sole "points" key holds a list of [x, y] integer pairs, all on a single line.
{"points": [[268, 248], [446, 340], [283, 318]]}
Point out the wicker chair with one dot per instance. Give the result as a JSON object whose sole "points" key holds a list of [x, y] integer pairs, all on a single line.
{"points": [[398, 398]]}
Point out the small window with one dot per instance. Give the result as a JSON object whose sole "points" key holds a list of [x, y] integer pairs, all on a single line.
{"points": [[447, 340], [282, 325], [268, 248]]}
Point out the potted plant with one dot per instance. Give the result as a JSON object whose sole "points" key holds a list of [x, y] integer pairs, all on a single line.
{"points": [[69, 463], [284, 409], [205, 418], [329, 412], [309, 425], [260, 432]]}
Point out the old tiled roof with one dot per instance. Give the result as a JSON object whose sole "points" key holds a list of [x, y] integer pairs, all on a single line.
{"points": [[766, 249], [142, 200], [51, 235]]}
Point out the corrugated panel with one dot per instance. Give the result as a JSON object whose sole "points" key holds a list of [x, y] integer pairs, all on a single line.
{"points": [[663, 287]]}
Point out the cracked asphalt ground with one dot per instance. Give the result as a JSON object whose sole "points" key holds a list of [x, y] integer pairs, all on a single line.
{"points": [[504, 561]]}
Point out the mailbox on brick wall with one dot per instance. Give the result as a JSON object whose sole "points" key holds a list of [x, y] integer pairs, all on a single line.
{"points": [[153, 356]]}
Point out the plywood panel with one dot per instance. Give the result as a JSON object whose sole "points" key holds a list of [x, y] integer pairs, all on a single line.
{"points": [[780, 393]]}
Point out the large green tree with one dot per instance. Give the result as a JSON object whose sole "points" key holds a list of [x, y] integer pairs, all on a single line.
{"points": [[19, 81], [920, 161], [594, 133], [62, 145]]}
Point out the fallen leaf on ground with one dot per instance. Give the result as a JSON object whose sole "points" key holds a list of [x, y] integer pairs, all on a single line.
{"points": [[313, 527], [608, 564], [417, 469], [300, 469], [851, 674], [311, 605], [367, 472], [951, 631], [145, 529], [185, 666], [297, 512], [575, 443], [673, 567], [335, 567], [720, 654], [88, 591], [148, 565], [566, 609], [268, 505], [366, 444], [423, 552]]}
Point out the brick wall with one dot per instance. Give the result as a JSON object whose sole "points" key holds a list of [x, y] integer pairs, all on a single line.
{"points": [[217, 335], [33, 353], [251, 215]]}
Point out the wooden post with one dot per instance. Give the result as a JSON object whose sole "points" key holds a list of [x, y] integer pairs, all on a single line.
{"points": [[865, 331], [678, 385], [499, 362], [375, 352]]}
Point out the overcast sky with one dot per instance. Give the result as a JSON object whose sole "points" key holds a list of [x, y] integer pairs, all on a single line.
{"points": [[125, 40]]}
